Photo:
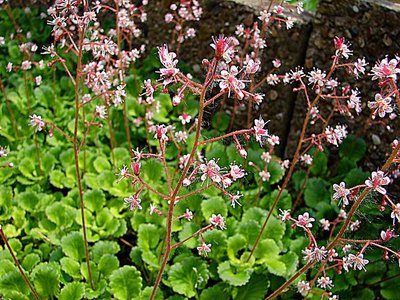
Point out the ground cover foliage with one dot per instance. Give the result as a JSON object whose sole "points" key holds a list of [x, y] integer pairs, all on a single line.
{"points": [[113, 142]]}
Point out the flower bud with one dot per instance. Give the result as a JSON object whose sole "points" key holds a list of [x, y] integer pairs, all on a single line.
{"points": [[135, 168]]}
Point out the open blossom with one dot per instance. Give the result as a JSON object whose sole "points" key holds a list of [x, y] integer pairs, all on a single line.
{"points": [[388, 234], [231, 83], [315, 254], [284, 215], [236, 172], [381, 105], [354, 101], [335, 136], [204, 249], [100, 111], [307, 159], [161, 133], [169, 62], [264, 16], [305, 220], [359, 67], [123, 173], [357, 261], [133, 202], [386, 69], [342, 48], [259, 130], [317, 77], [217, 221], [265, 176], [235, 199], [325, 224], [303, 286], [3, 152], [325, 282], [224, 47], [395, 213], [341, 192], [185, 118], [210, 170], [37, 122], [181, 136], [376, 181], [188, 215]]}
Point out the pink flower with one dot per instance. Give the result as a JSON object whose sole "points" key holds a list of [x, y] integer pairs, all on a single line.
{"points": [[188, 215], [265, 176], [385, 69], [224, 47], [236, 172], [231, 83], [259, 130], [341, 193], [388, 234], [342, 48], [211, 170], [305, 220], [378, 179], [325, 282], [235, 199], [217, 221], [395, 213], [317, 77], [204, 249], [100, 111], [36, 121], [303, 286], [381, 105], [133, 202], [185, 118], [3, 152]]}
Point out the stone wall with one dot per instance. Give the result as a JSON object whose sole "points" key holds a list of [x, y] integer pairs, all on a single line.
{"points": [[373, 28]]}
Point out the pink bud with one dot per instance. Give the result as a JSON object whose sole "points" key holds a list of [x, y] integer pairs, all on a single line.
{"points": [[135, 168]]}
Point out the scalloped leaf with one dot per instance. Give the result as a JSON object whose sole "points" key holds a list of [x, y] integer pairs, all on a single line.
{"points": [[46, 279], [218, 291], [94, 200], [72, 291], [316, 191], [60, 214], [234, 275], [72, 245], [187, 276], [125, 283], [255, 289]]}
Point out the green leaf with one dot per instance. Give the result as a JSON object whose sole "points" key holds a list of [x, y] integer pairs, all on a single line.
{"points": [[72, 245], [102, 248], [291, 261], [266, 249], [46, 278], [71, 267], [125, 283], [275, 229], [220, 121], [276, 172], [101, 164], [255, 289], [107, 264], [72, 291], [213, 205], [316, 192], [319, 164], [94, 200], [148, 236], [27, 200], [152, 170], [61, 214], [146, 293], [353, 148], [298, 179], [218, 291], [187, 276], [30, 261], [188, 229], [57, 178], [236, 243], [355, 176], [235, 276], [275, 267], [13, 281]]}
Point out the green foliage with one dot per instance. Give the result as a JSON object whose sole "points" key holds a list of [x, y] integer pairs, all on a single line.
{"points": [[125, 283]]}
